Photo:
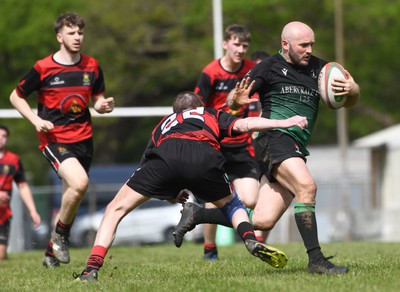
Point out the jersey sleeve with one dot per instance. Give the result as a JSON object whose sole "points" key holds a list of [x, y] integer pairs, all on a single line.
{"points": [[226, 122], [20, 173], [30, 83], [99, 85], [203, 87]]}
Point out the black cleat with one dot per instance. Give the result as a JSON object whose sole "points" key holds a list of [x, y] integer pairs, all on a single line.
{"points": [[268, 254], [211, 255], [324, 266], [50, 262], [60, 247], [186, 223], [92, 276]]}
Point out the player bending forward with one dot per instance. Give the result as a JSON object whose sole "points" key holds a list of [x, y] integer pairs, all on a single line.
{"points": [[184, 149]]}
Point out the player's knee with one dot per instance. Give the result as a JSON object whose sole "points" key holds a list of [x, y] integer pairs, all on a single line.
{"points": [[81, 186], [249, 202], [307, 192], [232, 206], [265, 225]]}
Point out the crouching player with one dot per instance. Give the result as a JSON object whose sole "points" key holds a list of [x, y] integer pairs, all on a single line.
{"points": [[184, 153]]}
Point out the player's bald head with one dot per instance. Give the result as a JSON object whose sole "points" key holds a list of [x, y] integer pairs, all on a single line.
{"points": [[296, 30]]}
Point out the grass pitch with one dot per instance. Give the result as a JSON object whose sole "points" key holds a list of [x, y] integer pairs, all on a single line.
{"points": [[373, 267]]}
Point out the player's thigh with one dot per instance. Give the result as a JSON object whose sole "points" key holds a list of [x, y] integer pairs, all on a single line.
{"points": [[247, 190], [294, 175], [126, 200], [73, 174], [272, 203]]}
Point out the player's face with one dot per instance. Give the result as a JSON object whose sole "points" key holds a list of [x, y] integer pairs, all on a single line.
{"points": [[235, 49], [300, 51], [3, 139], [71, 38]]}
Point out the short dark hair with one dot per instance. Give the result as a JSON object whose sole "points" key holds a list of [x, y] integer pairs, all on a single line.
{"points": [[259, 55], [70, 20], [239, 31], [2, 127], [186, 100]]}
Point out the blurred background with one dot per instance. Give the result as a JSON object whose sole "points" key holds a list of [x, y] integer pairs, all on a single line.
{"points": [[150, 50]]}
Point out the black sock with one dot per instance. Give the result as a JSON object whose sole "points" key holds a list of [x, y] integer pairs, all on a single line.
{"points": [[63, 229], [212, 216], [304, 214], [246, 231]]}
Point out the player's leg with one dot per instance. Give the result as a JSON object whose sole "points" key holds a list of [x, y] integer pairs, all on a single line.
{"points": [[234, 210], [75, 182], [209, 234], [4, 236], [124, 202], [247, 189], [3, 251], [293, 175], [273, 201]]}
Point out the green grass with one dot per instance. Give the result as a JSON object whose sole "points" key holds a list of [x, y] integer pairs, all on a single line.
{"points": [[373, 267]]}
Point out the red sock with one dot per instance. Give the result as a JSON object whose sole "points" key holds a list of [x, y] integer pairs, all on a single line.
{"points": [[208, 246], [260, 238], [96, 258]]}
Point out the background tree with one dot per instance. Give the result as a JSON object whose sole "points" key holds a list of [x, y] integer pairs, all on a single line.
{"points": [[150, 50]]}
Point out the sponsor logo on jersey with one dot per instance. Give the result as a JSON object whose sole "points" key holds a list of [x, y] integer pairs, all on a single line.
{"points": [[221, 86], [57, 81], [284, 71]]}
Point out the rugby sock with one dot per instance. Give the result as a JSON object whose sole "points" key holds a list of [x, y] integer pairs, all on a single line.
{"points": [[304, 214], [260, 238], [62, 228], [210, 248], [49, 250], [211, 216], [250, 212], [96, 259], [246, 231]]}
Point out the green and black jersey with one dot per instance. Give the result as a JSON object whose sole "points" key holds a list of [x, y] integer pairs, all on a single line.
{"points": [[287, 90]]}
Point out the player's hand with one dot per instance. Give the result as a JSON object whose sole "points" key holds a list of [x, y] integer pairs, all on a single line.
{"points": [[182, 197], [103, 105], [298, 121], [345, 86], [107, 105], [4, 197], [36, 219], [239, 96], [43, 126]]}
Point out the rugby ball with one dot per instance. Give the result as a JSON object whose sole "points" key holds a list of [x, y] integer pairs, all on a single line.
{"points": [[327, 75]]}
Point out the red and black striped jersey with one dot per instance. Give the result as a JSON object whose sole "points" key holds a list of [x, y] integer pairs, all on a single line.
{"points": [[64, 96], [11, 169], [214, 85], [200, 124]]}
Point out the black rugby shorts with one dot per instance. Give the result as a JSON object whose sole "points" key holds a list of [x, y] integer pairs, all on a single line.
{"points": [[178, 164], [239, 163], [56, 153], [273, 147]]}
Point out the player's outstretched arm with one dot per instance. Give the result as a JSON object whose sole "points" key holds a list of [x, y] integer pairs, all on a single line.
{"points": [[260, 124]]}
